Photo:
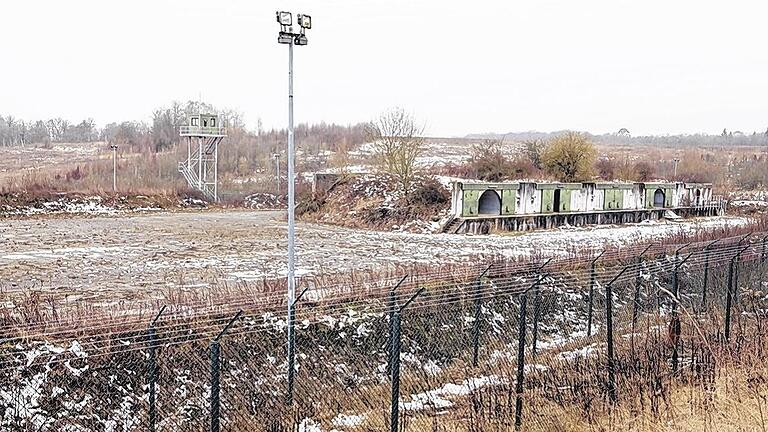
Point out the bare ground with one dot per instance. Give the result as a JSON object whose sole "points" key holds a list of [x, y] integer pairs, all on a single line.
{"points": [[113, 259]]}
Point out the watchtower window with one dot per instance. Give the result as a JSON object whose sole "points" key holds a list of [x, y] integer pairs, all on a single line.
{"points": [[205, 123], [194, 121], [213, 122]]}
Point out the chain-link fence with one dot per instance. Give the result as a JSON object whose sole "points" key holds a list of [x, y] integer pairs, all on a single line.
{"points": [[482, 347]]}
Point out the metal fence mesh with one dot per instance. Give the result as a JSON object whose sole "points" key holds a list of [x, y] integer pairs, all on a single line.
{"points": [[486, 348]]}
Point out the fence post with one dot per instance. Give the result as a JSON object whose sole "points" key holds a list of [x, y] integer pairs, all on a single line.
{"points": [[729, 300], [736, 270], [636, 296], [676, 313], [292, 347], [476, 323], [762, 262], [707, 251], [736, 280], [521, 356], [520, 362], [536, 312], [609, 334], [395, 407], [152, 378], [537, 307], [592, 280], [730, 294], [395, 360], [215, 386], [677, 258], [677, 251], [390, 337], [215, 353]]}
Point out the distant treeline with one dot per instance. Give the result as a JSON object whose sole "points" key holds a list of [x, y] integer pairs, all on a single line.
{"points": [[726, 138], [163, 131]]}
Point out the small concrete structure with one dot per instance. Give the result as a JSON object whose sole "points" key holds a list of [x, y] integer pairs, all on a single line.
{"points": [[526, 205]]}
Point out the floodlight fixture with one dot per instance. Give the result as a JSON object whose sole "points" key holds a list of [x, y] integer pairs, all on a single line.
{"points": [[284, 18], [300, 40], [305, 21], [285, 38]]}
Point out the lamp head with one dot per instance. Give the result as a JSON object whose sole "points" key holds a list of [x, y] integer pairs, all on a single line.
{"points": [[285, 38], [305, 21], [300, 40], [284, 18]]}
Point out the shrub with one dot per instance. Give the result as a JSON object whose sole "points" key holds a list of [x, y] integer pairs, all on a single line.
{"points": [[694, 168], [606, 168], [75, 174], [533, 151], [570, 157], [488, 161], [429, 193], [644, 171], [309, 203]]}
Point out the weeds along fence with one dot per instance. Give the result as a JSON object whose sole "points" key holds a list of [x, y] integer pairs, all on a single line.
{"points": [[493, 347]]}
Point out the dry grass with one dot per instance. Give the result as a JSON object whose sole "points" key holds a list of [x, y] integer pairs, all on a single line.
{"points": [[719, 387]]}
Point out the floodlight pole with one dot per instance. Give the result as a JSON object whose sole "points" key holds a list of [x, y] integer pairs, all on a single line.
{"points": [[287, 36], [291, 207]]}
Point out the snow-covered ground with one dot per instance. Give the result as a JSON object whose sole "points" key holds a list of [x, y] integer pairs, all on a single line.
{"points": [[67, 205], [748, 203], [140, 256], [440, 151]]}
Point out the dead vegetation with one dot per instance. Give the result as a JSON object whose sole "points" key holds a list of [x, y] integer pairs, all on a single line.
{"points": [[378, 202], [720, 384]]}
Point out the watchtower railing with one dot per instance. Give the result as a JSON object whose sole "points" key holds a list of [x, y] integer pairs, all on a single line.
{"points": [[202, 131]]}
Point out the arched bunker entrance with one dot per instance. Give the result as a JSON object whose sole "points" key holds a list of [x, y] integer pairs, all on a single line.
{"points": [[658, 198], [489, 203]]}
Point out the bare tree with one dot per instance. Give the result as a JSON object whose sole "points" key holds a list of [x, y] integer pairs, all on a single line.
{"points": [[397, 141], [533, 151]]}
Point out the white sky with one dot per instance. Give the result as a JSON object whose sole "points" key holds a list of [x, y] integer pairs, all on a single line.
{"points": [[652, 66]]}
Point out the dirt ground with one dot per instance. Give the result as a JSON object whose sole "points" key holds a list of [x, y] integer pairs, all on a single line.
{"points": [[17, 161], [112, 259]]}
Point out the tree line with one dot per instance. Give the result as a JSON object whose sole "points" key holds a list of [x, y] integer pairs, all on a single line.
{"points": [[163, 131], [17, 132], [624, 137]]}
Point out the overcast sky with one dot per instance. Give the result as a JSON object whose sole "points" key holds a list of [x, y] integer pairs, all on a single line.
{"points": [[654, 67]]}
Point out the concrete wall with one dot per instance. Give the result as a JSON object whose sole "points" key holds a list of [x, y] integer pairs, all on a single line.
{"points": [[578, 200], [530, 199], [634, 198], [548, 221], [457, 198], [594, 198], [688, 194]]}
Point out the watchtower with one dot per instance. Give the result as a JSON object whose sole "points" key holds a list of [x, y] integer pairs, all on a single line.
{"points": [[203, 134]]}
